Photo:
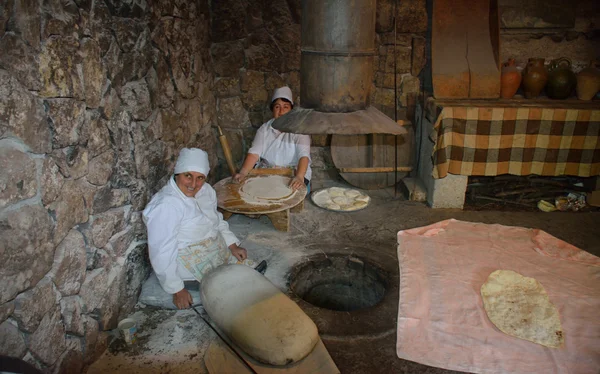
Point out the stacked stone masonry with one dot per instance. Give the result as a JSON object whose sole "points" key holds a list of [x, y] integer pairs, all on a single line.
{"points": [[96, 100]]}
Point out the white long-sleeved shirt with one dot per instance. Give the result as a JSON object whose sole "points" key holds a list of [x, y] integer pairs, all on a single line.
{"points": [[176, 221], [281, 148]]}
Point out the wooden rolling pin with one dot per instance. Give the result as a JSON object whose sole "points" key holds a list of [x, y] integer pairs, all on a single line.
{"points": [[226, 151]]}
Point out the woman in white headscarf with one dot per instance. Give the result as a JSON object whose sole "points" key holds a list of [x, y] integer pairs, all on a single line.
{"points": [[273, 148], [187, 236]]}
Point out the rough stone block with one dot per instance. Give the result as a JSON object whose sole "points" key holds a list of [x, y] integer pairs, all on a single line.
{"points": [[20, 59], [448, 192], [101, 168], [26, 249], [59, 67], [32, 306], [68, 118], [22, 114], [71, 311], [17, 180], [251, 80], [51, 329], [136, 98], [231, 113], [70, 263], [6, 310], [227, 86], [12, 343], [69, 209], [227, 58], [412, 16]]}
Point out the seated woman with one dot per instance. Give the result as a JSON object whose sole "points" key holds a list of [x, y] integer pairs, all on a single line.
{"points": [[273, 148], [187, 236]]}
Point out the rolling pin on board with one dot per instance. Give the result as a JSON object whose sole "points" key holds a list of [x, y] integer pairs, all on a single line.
{"points": [[226, 151]]}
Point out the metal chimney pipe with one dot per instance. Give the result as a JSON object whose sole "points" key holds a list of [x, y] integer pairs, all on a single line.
{"points": [[338, 50]]}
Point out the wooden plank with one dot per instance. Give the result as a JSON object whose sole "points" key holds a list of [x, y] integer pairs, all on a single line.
{"points": [[465, 47], [520, 102], [220, 359], [375, 169], [449, 65], [280, 220], [228, 198], [355, 153], [482, 39], [308, 121], [288, 172]]}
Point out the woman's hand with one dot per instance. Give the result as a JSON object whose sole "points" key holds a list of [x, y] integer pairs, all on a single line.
{"points": [[182, 299], [296, 182], [238, 252], [239, 176]]}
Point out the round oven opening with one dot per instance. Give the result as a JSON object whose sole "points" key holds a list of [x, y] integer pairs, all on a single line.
{"points": [[341, 283]]}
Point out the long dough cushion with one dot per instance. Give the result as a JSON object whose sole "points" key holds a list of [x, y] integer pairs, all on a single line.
{"points": [[257, 316]]}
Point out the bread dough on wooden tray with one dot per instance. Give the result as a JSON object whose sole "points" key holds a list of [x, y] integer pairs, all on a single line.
{"points": [[340, 199], [266, 190]]}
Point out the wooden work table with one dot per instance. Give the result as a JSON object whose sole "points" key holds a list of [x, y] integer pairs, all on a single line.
{"points": [[230, 202]]}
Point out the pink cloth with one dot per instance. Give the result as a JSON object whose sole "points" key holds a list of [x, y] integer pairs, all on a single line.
{"points": [[441, 319]]}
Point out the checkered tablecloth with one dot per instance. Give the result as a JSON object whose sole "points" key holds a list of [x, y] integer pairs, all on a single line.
{"points": [[518, 141]]}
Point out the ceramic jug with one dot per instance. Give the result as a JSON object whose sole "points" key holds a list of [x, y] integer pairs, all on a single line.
{"points": [[561, 79], [510, 80], [535, 76], [588, 81]]}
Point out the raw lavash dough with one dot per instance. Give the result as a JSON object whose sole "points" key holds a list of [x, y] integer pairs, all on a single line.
{"points": [[519, 306], [266, 190]]}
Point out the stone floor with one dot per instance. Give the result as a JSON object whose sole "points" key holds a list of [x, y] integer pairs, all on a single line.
{"points": [[175, 341]]}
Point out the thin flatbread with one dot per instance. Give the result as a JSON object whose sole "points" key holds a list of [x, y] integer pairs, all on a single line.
{"points": [[519, 306]]}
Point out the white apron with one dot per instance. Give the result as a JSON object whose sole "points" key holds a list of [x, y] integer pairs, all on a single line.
{"points": [[201, 257]]}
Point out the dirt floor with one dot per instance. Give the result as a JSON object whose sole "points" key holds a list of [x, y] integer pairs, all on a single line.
{"points": [[175, 341]]}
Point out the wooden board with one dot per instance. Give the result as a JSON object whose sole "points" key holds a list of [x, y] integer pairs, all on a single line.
{"points": [[219, 359], [371, 151], [228, 198], [464, 49]]}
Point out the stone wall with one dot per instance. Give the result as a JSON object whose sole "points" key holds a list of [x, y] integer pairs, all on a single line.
{"points": [[256, 48], [550, 29], [96, 99]]}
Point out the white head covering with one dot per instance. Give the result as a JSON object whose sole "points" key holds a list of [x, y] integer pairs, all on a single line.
{"points": [[192, 159], [283, 93]]}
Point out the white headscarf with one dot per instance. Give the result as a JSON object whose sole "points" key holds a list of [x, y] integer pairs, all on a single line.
{"points": [[283, 93], [192, 159]]}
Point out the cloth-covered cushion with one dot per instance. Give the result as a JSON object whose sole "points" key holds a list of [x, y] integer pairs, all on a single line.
{"points": [[153, 294]]}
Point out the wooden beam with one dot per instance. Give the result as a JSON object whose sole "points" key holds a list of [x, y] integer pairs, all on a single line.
{"points": [[383, 169]]}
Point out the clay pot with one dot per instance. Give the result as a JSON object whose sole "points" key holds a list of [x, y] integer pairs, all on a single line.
{"points": [[561, 79], [588, 81], [535, 76], [510, 79]]}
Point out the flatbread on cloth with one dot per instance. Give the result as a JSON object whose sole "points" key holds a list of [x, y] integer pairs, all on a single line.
{"points": [[519, 306], [442, 320]]}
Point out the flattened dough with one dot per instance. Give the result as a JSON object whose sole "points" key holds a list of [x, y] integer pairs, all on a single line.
{"points": [[519, 306], [266, 190], [341, 200], [352, 193]]}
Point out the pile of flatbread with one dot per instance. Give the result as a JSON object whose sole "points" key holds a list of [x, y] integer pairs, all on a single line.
{"points": [[519, 306], [340, 199]]}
